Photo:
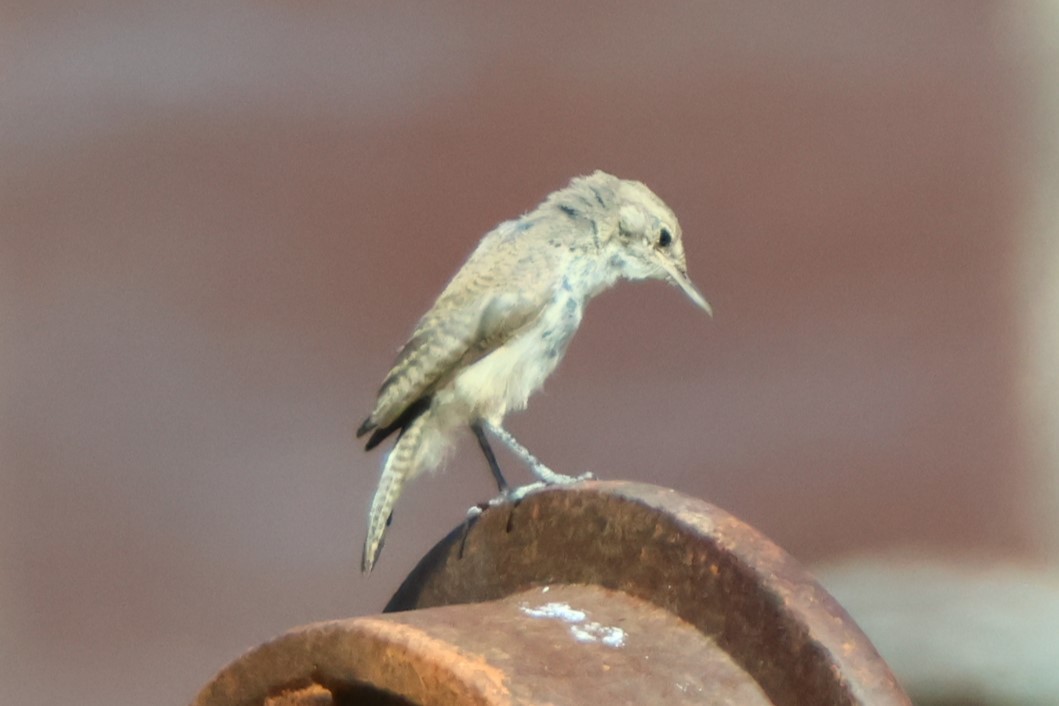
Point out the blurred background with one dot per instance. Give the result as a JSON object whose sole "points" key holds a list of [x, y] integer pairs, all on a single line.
{"points": [[220, 220]]}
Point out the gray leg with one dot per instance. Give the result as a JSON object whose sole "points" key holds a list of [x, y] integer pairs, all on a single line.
{"points": [[490, 457], [545, 474]]}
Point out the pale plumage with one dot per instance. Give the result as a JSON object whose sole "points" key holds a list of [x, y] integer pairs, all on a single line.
{"points": [[504, 321]]}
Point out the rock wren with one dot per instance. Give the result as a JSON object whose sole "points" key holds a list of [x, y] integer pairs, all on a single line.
{"points": [[504, 321]]}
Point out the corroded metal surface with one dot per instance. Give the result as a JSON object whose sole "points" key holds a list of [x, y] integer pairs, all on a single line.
{"points": [[682, 554], [550, 645], [620, 592]]}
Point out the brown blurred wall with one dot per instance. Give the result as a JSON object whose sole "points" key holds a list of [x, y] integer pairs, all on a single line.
{"points": [[219, 220]]}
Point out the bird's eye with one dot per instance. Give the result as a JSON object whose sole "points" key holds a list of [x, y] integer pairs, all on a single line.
{"points": [[665, 238]]}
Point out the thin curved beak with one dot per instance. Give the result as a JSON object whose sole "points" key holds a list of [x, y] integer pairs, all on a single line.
{"points": [[680, 278]]}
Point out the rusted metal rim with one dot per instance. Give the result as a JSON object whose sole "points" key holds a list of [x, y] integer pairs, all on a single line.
{"points": [[620, 592], [680, 553], [558, 645]]}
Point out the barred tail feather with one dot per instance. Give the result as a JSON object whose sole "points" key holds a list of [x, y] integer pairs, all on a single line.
{"points": [[420, 447]]}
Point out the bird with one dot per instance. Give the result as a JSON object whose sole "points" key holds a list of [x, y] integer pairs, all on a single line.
{"points": [[503, 323]]}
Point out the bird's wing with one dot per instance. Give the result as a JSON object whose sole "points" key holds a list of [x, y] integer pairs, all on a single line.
{"points": [[481, 309]]}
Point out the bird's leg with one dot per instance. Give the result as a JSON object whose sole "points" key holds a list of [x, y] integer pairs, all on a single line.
{"points": [[501, 483], [543, 473], [490, 457]]}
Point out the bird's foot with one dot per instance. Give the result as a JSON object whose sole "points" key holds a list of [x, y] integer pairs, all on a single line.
{"points": [[516, 495], [510, 495], [549, 477]]}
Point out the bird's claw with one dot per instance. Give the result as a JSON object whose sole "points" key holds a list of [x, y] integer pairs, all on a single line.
{"points": [[514, 496], [517, 495]]}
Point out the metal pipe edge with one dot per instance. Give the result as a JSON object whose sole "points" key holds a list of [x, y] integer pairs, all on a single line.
{"points": [[623, 591]]}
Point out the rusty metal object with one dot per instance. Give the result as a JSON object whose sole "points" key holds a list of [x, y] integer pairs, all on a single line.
{"points": [[621, 592]]}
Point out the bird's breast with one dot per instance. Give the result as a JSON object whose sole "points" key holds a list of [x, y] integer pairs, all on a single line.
{"points": [[505, 379]]}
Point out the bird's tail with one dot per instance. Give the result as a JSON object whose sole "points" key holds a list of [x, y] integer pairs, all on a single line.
{"points": [[405, 461]]}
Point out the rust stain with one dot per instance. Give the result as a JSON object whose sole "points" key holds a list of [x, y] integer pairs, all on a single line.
{"points": [[439, 661]]}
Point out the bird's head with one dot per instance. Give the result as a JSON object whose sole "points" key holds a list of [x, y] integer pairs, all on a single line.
{"points": [[648, 239]]}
